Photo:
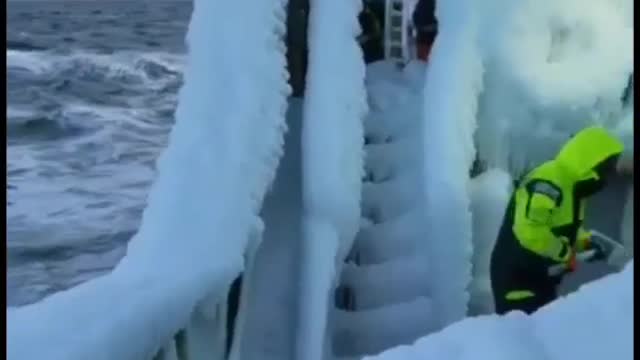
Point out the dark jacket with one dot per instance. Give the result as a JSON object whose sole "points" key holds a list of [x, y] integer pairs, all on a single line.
{"points": [[424, 19]]}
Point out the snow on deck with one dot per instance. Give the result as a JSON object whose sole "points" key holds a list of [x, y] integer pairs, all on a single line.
{"points": [[595, 323]]}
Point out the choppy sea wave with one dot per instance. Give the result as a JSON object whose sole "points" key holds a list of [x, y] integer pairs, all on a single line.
{"points": [[91, 91]]}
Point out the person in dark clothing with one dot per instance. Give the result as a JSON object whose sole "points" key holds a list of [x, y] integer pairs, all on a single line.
{"points": [[543, 223], [426, 24], [371, 38]]}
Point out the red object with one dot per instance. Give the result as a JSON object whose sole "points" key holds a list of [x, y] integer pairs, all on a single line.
{"points": [[423, 50]]}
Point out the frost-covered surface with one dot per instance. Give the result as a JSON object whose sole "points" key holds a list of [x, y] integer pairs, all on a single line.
{"points": [[595, 323], [334, 106], [391, 283], [550, 70], [392, 280], [374, 330], [490, 192], [453, 82], [272, 293], [332, 157], [395, 281], [202, 209]]}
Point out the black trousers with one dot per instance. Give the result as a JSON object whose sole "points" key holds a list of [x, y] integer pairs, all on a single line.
{"points": [[516, 268], [510, 278], [527, 305]]}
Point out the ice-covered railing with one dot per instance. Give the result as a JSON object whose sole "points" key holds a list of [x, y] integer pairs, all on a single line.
{"points": [[453, 82], [594, 323], [201, 219], [332, 158]]}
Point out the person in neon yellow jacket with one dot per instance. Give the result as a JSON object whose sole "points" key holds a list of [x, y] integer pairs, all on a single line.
{"points": [[543, 223]]}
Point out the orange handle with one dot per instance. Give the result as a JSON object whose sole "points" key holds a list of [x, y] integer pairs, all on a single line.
{"points": [[573, 263]]}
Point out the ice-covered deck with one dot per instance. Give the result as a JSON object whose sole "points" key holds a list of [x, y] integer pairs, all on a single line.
{"points": [[594, 323]]}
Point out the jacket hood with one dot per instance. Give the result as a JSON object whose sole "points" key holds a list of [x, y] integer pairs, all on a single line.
{"points": [[588, 148]]}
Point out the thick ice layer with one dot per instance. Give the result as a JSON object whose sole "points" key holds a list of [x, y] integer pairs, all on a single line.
{"points": [[221, 157], [371, 331], [392, 190], [549, 72], [392, 239], [332, 158], [395, 281], [396, 252], [393, 159], [272, 285], [595, 323], [390, 199], [490, 194], [334, 106], [452, 85]]}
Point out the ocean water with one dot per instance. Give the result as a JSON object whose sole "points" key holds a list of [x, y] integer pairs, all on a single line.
{"points": [[91, 91]]}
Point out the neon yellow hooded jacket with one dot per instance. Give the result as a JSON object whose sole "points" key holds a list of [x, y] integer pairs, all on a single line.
{"points": [[548, 217]]}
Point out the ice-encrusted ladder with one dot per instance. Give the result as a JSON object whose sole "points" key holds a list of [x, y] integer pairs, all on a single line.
{"points": [[383, 299], [396, 31]]}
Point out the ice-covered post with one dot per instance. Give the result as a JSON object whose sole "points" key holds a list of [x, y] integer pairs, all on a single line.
{"points": [[453, 82], [332, 155], [201, 213]]}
